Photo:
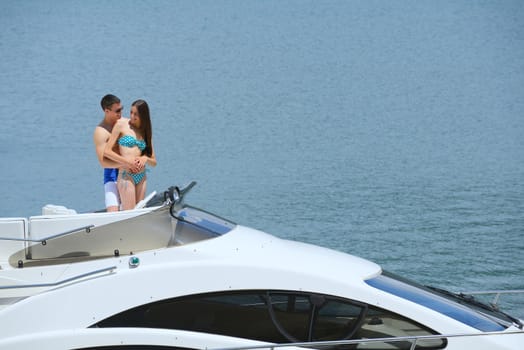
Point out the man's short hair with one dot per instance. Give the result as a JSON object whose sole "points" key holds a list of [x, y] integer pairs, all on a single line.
{"points": [[108, 100]]}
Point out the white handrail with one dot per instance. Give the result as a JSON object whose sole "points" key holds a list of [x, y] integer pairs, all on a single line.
{"points": [[144, 201], [412, 339]]}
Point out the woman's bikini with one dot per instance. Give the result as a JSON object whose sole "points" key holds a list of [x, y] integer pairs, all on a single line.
{"points": [[130, 141]]}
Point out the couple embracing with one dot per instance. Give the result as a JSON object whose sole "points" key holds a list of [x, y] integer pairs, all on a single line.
{"points": [[124, 147]]}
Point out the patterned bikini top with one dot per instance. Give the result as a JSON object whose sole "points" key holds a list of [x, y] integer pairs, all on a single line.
{"points": [[130, 141]]}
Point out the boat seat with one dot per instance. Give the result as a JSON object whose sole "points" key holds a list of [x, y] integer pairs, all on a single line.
{"points": [[51, 209]]}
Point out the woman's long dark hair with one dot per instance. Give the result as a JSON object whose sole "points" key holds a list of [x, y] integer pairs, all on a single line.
{"points": [[145, 124]]}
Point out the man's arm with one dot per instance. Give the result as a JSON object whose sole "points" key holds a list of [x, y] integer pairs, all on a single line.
{"points": [[100, 138]]}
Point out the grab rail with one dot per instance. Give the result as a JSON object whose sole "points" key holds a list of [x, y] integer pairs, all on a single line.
{"points": [[496, 292], [67, 280], [44, 240], [412, 339]]}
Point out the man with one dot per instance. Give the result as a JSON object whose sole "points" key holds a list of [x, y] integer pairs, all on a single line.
{"points": [[112, 108]]}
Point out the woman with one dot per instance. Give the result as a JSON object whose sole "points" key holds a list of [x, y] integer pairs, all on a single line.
{"points": [[133, 137]]}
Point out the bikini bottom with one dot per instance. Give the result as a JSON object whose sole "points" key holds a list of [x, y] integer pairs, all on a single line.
{"points": [[137, 177]]}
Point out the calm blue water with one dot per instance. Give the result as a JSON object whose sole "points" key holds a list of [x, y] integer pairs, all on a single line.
{"points": [[389, 130]]}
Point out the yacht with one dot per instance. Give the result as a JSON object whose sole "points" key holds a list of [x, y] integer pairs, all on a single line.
{"points": [[169, 275]]}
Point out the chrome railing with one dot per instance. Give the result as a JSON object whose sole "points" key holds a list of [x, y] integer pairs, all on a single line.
{"points": [[45, 239], [413, 340], [64, 281], [496, 293]]}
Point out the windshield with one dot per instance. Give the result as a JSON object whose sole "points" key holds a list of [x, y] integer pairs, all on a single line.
{"points": [[462, 308], [211, 223]]}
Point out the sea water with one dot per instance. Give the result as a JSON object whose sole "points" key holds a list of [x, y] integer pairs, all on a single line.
{"points": [[389, 130]]}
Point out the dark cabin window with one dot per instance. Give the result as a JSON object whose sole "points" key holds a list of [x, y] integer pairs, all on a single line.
{"points": [[312, 317], [277, 317]]}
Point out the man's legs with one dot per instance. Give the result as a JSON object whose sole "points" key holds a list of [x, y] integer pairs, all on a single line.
{"points": [[111, 196]]}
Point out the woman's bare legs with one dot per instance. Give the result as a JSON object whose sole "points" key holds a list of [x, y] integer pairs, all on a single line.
{"points": [[141, 189], [126, 188]]}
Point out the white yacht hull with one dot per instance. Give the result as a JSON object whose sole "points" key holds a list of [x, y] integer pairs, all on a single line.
{"points": [[69, 293]]}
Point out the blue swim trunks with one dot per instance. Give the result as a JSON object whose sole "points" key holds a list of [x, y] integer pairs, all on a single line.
{"points": [[110, 175]]}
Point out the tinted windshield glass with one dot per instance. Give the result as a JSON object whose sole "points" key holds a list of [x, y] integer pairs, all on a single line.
{"points": [[436, 301], [205, 220]]}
